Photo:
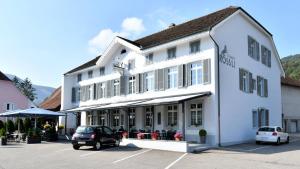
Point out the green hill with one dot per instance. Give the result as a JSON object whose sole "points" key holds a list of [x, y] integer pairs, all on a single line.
{"points": [[291, 66]]}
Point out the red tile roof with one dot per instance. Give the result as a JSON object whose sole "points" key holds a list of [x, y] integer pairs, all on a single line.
{"points": [[287, 81], [53, 102]]}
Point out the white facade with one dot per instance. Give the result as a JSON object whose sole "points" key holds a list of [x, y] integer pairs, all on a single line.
{"points": [[236, 106]]}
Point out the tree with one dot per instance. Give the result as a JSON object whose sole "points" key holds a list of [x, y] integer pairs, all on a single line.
{"points": [[25, 87], [2, 124], [16, 82], [27, 124], [10, 126]]}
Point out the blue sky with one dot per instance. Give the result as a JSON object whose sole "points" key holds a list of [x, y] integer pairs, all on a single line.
{"points": [[44, 39]]}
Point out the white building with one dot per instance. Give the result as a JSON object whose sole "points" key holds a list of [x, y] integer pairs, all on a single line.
{"points": [[220, 72], [290, 91]]}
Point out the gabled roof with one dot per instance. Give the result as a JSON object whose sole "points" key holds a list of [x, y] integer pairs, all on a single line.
{"points": [[287, 81], [85, 65], [4, 77], [53, 102]]}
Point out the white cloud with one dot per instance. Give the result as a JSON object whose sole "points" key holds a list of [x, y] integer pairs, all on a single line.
{"points": [[133, 25], [130, 28]]}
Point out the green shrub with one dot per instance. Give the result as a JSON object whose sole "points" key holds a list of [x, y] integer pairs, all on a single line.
{"points": [[2, 125], [202, 132], [2, 132], [27, 125], [10, 126], [21, 125]]}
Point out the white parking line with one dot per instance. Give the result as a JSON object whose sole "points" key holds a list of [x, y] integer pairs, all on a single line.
{"points": [[258, 148], [87, 154], [132, 156], [174, 162]]}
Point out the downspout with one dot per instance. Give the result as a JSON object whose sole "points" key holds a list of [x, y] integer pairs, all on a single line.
{"points": [[218, 89]]}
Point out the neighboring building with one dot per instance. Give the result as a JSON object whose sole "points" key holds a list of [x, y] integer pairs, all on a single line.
{"points": [[290, 91], [10, 96], [170, 80], [53, 103]]}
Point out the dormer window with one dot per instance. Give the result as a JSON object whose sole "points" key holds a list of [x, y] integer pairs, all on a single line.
{"points": [[195, 46], [149, 59], [172, 53], [79, 77], [90, 74], [123, 51], [102, 71]]}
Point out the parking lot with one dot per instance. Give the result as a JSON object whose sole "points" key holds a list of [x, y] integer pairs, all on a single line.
{"points": [[62, 156]]}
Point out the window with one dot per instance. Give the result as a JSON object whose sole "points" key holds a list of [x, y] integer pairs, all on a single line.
{"points": [[123, 51], [102, 71], [79, 77], [91, 118], [149, 59], [116, 118], [10, 106], [253, 48], [131, 85], [131, 64], [122, 119], [246, 82], [102, 90], [90, 93], [90, 74], [260, 117], [149, 81], [159, 118], [265, 56], [196, 114], [172, 115], [195, 46], [148, 117], [101, 119], [197, 73], [172, 53], [262, 87], [116, 87], [107, 130], [131, 117], [172, 77]]}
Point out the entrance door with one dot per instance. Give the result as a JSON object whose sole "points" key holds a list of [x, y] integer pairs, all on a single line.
{"points": [[293, 127]]}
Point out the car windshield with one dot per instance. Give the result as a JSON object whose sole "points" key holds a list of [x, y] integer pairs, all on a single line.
{"points": [[267, 129], [84, 130]]}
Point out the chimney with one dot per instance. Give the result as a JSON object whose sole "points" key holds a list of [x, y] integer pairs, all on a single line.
{"points": [[172, 25]]}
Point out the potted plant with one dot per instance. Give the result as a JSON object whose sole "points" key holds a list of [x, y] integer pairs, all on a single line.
{"points": [[125, 134], [140, 136], [154, 135], [178, 136], [202, 134], [33, 136], [3, 140]]}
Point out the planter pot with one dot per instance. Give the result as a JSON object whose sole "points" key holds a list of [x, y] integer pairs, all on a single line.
{"points": [[177, 139], [33, 140], [202, 139], [3, 141]]}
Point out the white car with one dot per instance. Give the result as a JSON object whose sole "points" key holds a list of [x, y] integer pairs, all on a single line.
{"points": [[273, 134]]}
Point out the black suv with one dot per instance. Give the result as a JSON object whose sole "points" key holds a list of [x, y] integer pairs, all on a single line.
{"points": [[94, 136]]}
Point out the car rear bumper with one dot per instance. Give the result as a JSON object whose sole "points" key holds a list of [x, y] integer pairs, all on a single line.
{"points": [[266, 138], [83, 142]]}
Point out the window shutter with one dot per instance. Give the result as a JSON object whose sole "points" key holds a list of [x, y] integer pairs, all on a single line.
{"points": [[123, 80], [188, 74], [206, 69], [258, 86], [156, 81], [98, 91], [241, 78], [249, 46], [265, 87], [161, 79], [269, 58], [142, 79], [73, 95], [94, 91], [137, 83], [259, 117], [257, 51], [251, 85], [81, 93], [108, 88], [166, 79], [180, 76], [267, 117]]}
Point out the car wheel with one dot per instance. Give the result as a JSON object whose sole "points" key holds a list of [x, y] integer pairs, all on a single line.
{"points": [[76, 147], [257, 142], [97, 146], [287, 140], [117, 143], [278, 141]]}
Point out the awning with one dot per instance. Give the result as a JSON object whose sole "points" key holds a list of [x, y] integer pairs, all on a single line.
{"points": [[35, 112], [118, 105], [79, 109], [175, 99]]}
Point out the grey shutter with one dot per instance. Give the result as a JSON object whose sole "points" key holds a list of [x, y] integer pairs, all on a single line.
{"points": [[156, 80], [123, 80], [81, 93], [142, 86], [137, 83], [257, 50], [98, 91], [258, 86], [259, 117], [267, 117], [251, 85], [180, 76], [73, 95], [265, 87], [108, 88], [206, 69], [241, 72], [249, 46], [166, 79], [94, 91], [161, 79], [269, 58], [188, 74]]}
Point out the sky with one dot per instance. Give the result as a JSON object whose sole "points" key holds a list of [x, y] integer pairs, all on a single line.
{"points": [[42, 40]]}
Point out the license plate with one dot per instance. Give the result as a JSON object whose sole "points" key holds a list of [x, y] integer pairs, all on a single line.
{"points": [[81, 142]]}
